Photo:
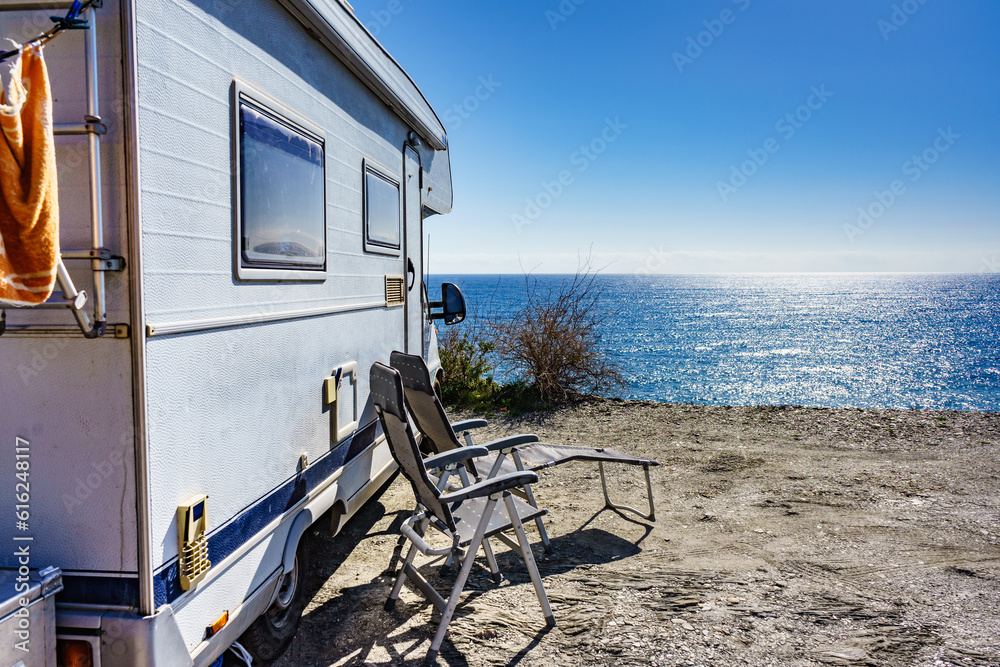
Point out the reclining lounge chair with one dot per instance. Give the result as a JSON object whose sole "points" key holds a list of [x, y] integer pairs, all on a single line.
{"points": [[468, 516], [525, 452]]}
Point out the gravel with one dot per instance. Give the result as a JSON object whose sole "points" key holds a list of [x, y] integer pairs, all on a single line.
{"points": [[784, 536]]}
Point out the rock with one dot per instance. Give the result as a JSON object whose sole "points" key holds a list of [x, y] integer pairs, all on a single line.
{"points": [[849, 654]]}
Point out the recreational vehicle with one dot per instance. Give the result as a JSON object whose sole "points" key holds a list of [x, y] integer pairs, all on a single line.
{"points": [[243, 186]]}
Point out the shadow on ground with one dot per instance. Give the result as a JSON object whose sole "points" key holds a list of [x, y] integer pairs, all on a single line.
{"points": [[352, 627]]}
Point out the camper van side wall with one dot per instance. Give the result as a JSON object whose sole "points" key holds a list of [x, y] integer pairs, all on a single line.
{"points": [[237, 361], [232, 380]]}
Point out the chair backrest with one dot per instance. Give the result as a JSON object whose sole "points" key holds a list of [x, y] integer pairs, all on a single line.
{"points": [[425, 408], [386, 388]]}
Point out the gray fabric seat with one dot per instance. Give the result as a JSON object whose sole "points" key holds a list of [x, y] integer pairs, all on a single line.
{"points": [[511, 454], [468, 516]]}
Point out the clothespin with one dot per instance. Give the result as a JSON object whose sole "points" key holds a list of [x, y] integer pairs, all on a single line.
{"points": [[70, 21]]}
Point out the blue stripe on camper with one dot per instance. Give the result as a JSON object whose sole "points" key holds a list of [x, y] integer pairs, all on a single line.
{"points": [[228, 538], [99, 590]]}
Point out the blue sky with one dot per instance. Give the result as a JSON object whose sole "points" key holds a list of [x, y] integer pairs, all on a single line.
{"points": [[715, 136]]}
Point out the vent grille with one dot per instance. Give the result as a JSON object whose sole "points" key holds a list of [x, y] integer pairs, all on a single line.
{"points": [[194, 562], [394, 291]]}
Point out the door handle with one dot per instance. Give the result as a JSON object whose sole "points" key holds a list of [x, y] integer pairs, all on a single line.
{"points": [[411, 270]]}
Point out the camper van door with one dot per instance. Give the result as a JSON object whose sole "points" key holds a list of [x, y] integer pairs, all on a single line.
{"points": [[413, 226]]}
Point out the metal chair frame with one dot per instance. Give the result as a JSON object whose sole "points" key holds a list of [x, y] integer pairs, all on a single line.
{"points": [[452, 513]]}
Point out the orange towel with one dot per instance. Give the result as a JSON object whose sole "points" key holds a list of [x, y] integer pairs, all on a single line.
{"points": [[29, 208]]}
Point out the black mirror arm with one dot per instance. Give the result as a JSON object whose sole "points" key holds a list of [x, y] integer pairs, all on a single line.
{"points": [[452, 305], [436, 304]]}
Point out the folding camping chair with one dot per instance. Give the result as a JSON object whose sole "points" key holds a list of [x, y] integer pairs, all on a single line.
{"points": [[525, 452], [468, 516]]}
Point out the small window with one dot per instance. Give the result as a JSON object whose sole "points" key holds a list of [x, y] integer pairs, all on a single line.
{"points": [[382, 211], [280, 193]]}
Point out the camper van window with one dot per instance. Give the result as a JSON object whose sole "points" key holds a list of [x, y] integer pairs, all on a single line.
{"points": [[382, 211], [282, 194]]}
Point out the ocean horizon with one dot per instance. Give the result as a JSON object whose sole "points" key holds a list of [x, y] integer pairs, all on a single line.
{"points": [[856, 340]]}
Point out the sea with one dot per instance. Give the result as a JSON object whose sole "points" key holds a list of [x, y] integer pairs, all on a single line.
{"points": [[903, 341]]}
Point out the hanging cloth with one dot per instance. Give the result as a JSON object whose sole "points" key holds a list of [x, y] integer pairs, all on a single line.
{"points": [[29, 206]]}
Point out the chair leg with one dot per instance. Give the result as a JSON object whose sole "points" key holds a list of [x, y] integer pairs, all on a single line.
{"points": [[454, 554], [456, 590], [530, 496], [390, 604], [651, 516], [397, 553], [497, 463], [529, 560], [492, 560]]}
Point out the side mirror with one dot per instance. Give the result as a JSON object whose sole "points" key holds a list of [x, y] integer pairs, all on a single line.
{"points": [[452, 304]]}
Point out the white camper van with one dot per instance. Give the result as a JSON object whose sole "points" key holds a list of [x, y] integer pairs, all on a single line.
{"points": [[243, 186]]}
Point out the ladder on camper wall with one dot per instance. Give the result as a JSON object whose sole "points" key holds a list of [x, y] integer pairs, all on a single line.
{"points": [[100, 258]]}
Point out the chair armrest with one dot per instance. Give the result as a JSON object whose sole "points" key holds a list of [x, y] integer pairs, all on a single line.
{"points": [[468, 425], [453, 456], [490, 486], [510, 441]]}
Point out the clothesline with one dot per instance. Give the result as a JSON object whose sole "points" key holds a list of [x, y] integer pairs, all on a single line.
{"points": [[68, 22]]}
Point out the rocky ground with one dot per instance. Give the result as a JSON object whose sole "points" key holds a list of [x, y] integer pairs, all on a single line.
{"points": [[784, 536]]}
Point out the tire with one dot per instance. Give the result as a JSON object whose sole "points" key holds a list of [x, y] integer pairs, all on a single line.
{"points": [[269, 636], [437, 387]]}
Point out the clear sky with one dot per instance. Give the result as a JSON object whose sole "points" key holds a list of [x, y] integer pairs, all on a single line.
{"points": [[712, 136]]}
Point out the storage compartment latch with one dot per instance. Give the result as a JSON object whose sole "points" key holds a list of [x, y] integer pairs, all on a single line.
{"points": [[343, 403]]}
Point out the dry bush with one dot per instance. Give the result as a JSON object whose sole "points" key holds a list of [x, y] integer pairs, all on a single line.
{"points": [[553, 341]]}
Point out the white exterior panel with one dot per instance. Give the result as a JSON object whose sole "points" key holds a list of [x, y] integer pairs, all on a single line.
{"points": [[186, 154], [70, 397], [231, 410]]}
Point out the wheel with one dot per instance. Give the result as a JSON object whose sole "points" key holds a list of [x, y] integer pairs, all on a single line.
{"points": [[269, 635], [437, 386]]}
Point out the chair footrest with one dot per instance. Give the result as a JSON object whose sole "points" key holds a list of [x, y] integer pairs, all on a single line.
{"points": [[537, 456]]}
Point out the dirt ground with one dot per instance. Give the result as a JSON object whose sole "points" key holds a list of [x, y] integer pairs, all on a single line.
{"points": [[783, 536]]}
